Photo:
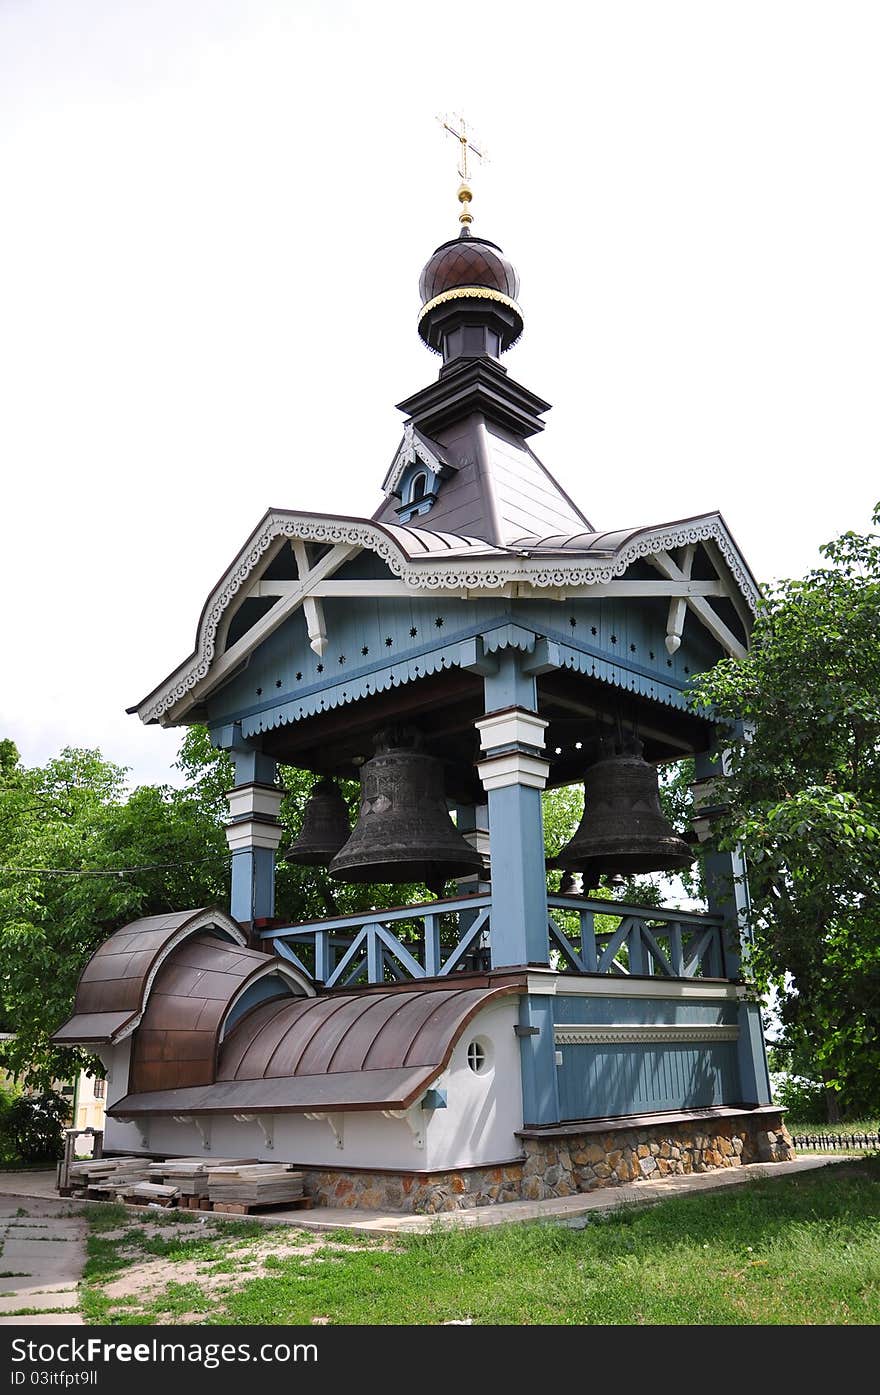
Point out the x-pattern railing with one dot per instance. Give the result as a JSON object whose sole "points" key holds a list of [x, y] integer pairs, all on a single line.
{"points": [[437, 938], [674, 944], [337, 953]]}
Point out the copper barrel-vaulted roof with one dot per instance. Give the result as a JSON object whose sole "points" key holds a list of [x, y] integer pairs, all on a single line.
{"points": [[176, 1041], [343, 1051], [113, 986]]}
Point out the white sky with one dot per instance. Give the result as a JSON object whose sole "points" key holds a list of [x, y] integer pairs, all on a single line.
{"points": [[214, 215]]}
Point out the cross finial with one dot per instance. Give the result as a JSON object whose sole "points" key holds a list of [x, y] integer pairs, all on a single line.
{"points": [[457, 126]]}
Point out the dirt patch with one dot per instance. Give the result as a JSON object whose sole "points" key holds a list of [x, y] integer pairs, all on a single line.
{"points": [[148, 1275]]}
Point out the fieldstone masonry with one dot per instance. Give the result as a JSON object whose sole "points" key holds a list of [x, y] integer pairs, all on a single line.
{"points": [[563, 1164]]}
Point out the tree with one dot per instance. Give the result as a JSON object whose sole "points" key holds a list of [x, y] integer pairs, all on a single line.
{"points": [[81, 857], [804, 803]]}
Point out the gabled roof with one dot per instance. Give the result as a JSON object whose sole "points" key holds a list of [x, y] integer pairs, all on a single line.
{"points": [[423, 560]]}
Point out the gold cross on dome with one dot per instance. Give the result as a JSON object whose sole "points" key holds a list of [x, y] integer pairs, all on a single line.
{"points": [[465, 141], [457, 126]]}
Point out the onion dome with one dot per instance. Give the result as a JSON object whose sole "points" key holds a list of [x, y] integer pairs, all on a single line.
{"points": [[469, 295], [468, 261]]}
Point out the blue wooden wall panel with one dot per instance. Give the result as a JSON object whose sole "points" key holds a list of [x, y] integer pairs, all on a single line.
{"points": [[595, 1081], [631, 1078], [285, 680]]}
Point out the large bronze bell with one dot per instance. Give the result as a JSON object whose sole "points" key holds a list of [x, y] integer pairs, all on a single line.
{"points": [[404, 832], [624, 831], [325, 827]]}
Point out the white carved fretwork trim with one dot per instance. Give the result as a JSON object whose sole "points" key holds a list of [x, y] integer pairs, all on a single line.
{"points": [[487, 573], [413, 447], [619, 1034]]}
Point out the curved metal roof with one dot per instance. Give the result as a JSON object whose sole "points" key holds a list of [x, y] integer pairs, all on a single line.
{"points": [[113, 987], [350, 1032], [344, 1051], [176, 1040]]}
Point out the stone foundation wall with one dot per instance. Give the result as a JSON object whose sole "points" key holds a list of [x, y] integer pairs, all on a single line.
{"points": [[564, 1165]]}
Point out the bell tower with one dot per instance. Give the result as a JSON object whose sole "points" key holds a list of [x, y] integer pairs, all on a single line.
{"points": [[469, 646]]}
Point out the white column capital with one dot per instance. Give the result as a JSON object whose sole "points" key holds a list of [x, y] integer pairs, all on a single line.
{"points": [[513, 768], [254, 800], [246, 834], [511, 726]]}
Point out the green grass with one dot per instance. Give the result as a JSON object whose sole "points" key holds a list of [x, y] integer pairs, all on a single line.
{"points": [[817, 1126], [802, 1249]]}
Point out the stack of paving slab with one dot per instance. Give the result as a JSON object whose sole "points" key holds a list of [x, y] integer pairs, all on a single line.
{"points": [[246, 1186], [149, 1194], [190, 1175], [107, 1176]]}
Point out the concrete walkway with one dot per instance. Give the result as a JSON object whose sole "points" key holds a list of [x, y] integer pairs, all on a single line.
{"points": [[42, 1254], [23, 1188]]}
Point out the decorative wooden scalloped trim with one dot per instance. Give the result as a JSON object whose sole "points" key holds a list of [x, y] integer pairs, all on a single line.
{"points": [[489, 574], [627, 1034]]}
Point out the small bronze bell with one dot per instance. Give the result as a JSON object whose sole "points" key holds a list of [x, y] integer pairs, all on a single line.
{"points": [[325, 827], [624, 831], [404, 832]]}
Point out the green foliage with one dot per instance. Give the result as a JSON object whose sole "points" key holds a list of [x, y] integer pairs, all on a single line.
{"points": [[7, 1098], [166, 850], [74, 815], [32, 1128], [805, 804], [804, 1099]]}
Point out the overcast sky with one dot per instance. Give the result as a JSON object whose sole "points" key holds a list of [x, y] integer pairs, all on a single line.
{"points": [[214, 217]]}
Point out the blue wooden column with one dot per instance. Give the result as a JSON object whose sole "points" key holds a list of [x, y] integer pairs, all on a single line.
{"points": [[514, 772], [727, 889], [253, 834]]}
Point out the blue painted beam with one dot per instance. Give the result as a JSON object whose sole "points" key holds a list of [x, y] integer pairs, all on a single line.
{"points": [[538, 1060], [728, 895], [253, 884], [751, 1056]]}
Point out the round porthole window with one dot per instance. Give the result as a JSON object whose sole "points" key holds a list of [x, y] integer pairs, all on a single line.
{"points": [[478, 1056]]}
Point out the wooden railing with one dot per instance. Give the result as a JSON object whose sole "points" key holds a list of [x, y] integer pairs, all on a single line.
{"points": [[436, 938], [440, 936], [646, 940]]}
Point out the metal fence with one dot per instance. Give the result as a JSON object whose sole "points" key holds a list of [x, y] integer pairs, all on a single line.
{"points": [[831, 1142]]}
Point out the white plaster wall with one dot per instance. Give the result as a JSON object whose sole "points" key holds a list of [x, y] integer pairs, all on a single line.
{"points": [[115, 1060], [477, 1126], [483, 1111]]}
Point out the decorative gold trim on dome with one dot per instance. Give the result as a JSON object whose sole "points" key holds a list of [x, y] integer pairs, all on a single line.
{"points": [[469, 293]]}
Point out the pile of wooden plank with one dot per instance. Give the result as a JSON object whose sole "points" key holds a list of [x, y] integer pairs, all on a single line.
{"points": [[242, 1187]]}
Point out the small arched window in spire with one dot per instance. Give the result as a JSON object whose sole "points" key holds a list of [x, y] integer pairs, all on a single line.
{"points": [[418, 492], [418, 488]]}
